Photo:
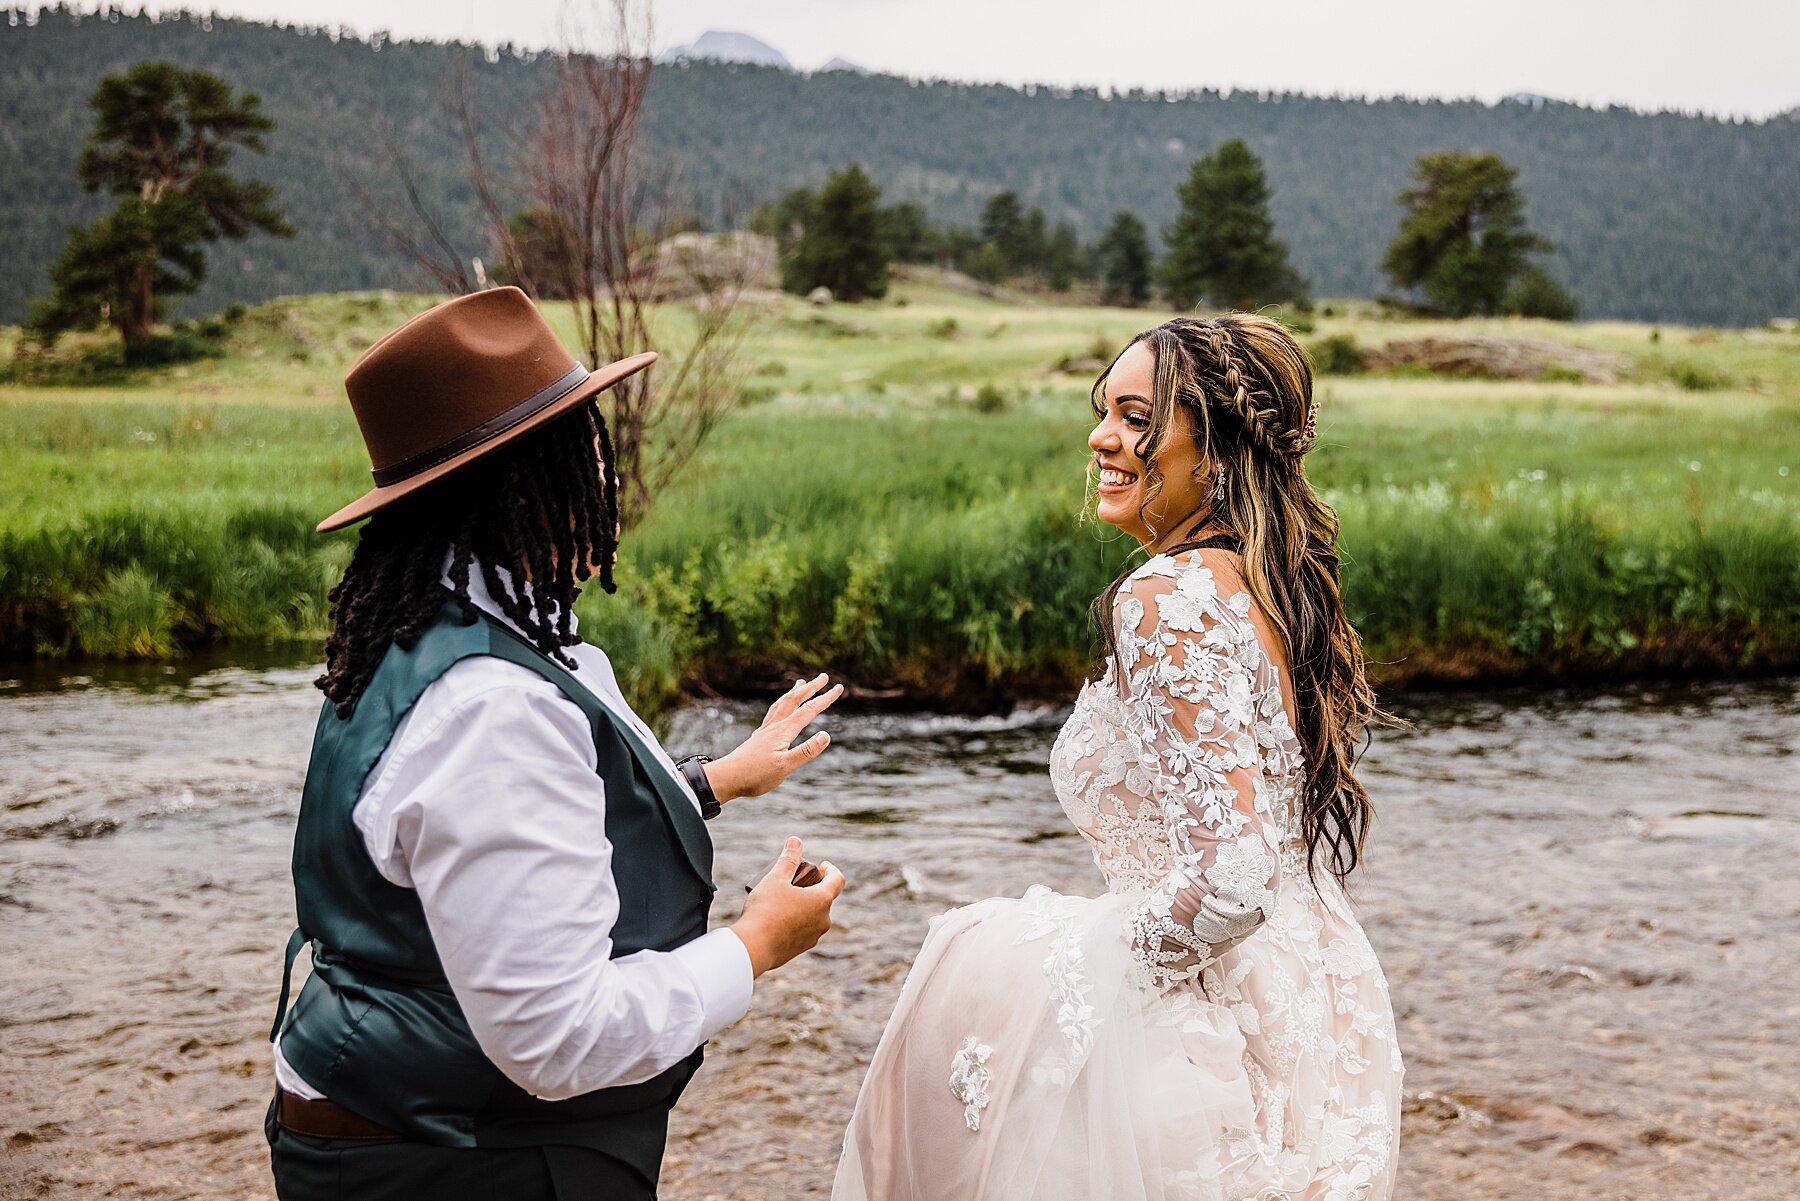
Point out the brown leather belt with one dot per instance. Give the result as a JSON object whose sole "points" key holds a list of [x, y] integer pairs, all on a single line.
{"points": [[326, 1119]]}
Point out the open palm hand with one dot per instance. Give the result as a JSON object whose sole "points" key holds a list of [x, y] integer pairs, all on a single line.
{"points": [[769, 756]]}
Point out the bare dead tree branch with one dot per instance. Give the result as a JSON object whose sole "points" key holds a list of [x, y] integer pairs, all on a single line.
{"points": [[599, 213], [419, 237]]}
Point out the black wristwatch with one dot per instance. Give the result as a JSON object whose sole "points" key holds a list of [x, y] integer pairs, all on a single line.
{"points": [[693, 770]]}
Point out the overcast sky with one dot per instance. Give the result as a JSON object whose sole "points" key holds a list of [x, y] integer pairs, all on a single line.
{"points": [[1730, 57]]}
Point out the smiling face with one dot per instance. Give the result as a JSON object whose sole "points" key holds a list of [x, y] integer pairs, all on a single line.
{"points": [[1151, 513]]}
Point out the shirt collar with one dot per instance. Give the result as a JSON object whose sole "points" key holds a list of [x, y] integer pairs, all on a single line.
{"points": [[483, 598]]}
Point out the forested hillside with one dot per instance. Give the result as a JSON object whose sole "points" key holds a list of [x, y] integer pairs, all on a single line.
{"points": [[1660, 217]]}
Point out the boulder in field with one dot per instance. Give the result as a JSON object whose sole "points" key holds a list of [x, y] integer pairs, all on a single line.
{"points": [[702, 264]]}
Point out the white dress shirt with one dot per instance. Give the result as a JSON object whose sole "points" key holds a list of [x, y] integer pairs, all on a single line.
{"points": [[488, 804]]}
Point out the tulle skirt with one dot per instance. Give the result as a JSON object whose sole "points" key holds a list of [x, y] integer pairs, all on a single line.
{"points": [[1028, 1060]]}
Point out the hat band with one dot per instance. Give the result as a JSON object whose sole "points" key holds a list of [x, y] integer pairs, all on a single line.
{"points": [[494, 426]]}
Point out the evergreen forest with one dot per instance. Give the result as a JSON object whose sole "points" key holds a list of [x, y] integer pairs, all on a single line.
{"points": [[1652, 216]]}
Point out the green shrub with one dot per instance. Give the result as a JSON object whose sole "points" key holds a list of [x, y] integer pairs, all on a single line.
{"points": [[183, 344], [1535, 293], [752, 589], [1336, 355], [986, 263], [857, 612], [1696, 377]]}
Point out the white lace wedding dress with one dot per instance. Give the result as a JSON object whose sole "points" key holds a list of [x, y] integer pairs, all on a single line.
{"points": [[1214, 1027]]}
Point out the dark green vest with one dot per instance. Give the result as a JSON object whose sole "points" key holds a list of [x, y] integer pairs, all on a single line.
{"points": [[377, 1028]]}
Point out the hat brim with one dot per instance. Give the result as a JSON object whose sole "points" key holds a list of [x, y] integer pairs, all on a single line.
{"points": [[379, 498]]}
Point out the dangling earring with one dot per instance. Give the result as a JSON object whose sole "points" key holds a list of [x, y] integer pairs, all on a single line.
{"points": [[1219, 483]]}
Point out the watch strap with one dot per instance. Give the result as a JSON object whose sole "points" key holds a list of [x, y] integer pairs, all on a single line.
{"points": [[693, 770]]}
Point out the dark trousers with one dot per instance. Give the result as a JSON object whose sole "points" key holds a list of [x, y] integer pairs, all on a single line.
{"points": [[328, 1169]]}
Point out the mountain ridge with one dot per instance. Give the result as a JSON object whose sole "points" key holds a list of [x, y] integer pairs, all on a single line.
{"points": [[1657, 216], [727, 46]]}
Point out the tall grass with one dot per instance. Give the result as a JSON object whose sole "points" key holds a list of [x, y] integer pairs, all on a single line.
{"points": [[1567, 584], [991, 599], [869, 515], [137, 583]]}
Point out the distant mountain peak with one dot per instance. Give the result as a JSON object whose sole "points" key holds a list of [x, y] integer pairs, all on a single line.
{"points": [[844, 64], [726, 46]]}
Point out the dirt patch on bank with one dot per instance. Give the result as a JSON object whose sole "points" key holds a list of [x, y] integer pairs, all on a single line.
{"points": [[1499, 358]]}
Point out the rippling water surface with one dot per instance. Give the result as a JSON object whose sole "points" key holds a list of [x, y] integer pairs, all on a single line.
{"points": [[1586, 904]]}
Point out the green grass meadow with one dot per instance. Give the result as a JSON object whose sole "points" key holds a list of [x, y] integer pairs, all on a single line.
{"points": [[900, 499]]}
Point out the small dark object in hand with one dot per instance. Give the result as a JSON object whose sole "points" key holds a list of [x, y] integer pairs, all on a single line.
{"points": [[805, 876]]}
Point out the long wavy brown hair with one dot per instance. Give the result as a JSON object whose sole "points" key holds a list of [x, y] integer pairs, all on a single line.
{"points": [[1249, 387]]}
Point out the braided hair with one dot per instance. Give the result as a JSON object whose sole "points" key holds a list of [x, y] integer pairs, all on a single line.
{"points": [[1249, 388], [537, 518]]}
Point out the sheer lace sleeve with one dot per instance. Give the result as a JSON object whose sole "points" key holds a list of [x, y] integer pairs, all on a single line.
{"points": [[1197, 692]]}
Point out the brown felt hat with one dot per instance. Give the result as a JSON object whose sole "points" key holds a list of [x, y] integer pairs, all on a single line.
{"points": [[457, 382]]}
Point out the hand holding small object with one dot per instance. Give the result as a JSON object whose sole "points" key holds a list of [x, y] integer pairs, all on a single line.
{"points": [[805, 876], [783, 917]]}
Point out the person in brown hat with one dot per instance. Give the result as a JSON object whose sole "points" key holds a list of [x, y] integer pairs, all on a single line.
{"points": [[503, 877]]}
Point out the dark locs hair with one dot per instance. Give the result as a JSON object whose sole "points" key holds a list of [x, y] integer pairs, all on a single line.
{"points": [[536, 518], [1249, 390]]}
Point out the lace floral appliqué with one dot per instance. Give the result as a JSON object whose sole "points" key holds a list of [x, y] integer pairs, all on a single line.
{"points": [[969, 1078], [1066, 969], [1181, 768]]}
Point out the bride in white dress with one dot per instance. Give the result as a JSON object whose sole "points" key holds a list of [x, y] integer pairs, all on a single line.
{"points": [[1215, 1025]]}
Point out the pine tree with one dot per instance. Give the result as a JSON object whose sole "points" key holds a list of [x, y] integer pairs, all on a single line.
{"points": [[1062, 258], [1023, 241], [843, 244], [1463, 239], [1535, 293], [985, 262], [1222, 246], [910, 238], [1122, 260], [1003, 224], [786, 219], [955, 243], [1032, 255], [162, 138]]}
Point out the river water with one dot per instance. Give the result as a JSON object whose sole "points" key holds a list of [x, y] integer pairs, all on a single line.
{"points": [[1586, 904]]}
